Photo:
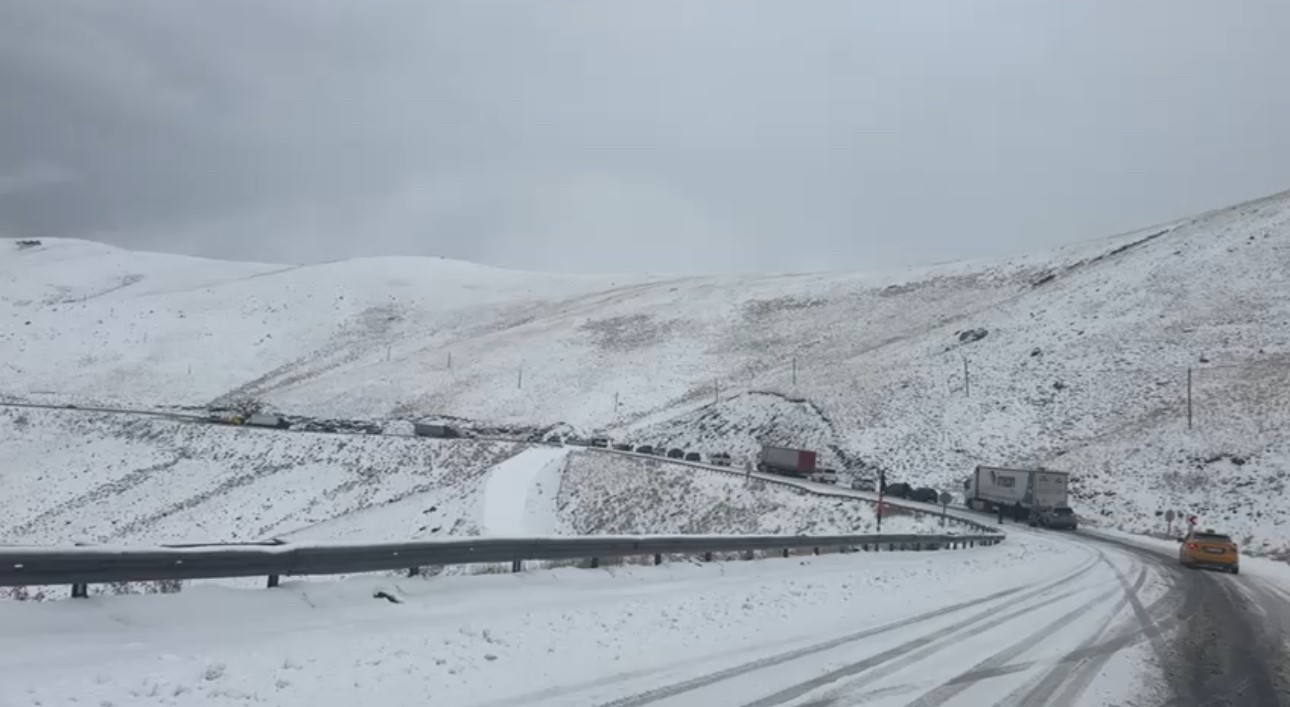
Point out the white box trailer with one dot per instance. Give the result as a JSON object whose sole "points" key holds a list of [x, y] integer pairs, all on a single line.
{"points": [[990, 487]]}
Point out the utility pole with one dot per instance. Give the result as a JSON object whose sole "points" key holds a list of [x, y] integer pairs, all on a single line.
{"points": [[1189, 415], [450, 360], [716, 391], [882, 491], [967, 379], [387, 352], [519, 381], [794, 371]]}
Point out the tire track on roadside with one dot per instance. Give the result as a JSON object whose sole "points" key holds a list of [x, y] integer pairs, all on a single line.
{"points": [[995, 664], [920, 648], [1041, 690], [1020, 593], [1092, 655], [933, 646], [1220, 658]]}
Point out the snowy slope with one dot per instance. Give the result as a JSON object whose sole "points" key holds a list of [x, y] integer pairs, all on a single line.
{"points": [[613, 494], [75, 476], [1082, 363]]}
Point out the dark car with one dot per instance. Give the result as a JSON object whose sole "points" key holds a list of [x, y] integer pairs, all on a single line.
{"points": [[924, 494], [645, 449], [693, 457], [1060, 517], [899, 490], [676, 454], [720, 459], [623, 447]]}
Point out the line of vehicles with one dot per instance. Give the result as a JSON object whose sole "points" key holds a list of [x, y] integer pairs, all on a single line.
{"points": [[1040, 497], [1037, 496]]}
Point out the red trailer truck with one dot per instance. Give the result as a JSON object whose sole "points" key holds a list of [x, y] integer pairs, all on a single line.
{"points": [[786, 462]]}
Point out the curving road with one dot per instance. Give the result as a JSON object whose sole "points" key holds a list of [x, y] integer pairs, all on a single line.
{"points": [[1228, 644], [1125, 625]]}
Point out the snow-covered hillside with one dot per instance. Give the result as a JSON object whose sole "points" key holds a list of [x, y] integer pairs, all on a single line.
{"points": [[72, 476], [1075, 359], [602, 493]]}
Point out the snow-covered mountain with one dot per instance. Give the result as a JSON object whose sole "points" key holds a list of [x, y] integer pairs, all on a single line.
{"points": [[1076, 358]]}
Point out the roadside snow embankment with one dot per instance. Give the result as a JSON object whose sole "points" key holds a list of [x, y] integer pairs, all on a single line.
{"points": [[520, 494], [615, 494]]}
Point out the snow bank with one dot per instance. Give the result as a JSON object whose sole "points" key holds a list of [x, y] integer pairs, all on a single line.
{"points": [[519, 494]]}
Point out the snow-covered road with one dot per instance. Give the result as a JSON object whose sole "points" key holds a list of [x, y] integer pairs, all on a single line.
{"points": [[1042, 619]]}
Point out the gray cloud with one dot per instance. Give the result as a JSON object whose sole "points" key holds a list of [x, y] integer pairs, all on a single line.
{"points": [[670, 135]]}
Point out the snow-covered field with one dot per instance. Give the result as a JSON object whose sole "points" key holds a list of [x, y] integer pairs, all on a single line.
{"points": [[882, 629], [73, 476], [1075, 359]]}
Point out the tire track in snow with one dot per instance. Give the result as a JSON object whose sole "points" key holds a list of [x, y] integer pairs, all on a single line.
{"points": [[891, 661], [1099, 652], [1221, 657], [663, 693], [996, 663], [1041, 691]]}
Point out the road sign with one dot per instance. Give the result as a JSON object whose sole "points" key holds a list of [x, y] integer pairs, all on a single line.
{"points": [[946, 497], [1169, 516]]}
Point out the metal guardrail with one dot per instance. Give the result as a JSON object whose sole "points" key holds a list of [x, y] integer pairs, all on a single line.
{"points": [[82, 566]]}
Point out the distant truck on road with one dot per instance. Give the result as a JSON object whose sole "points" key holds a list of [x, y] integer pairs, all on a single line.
{"points": [[786, 462], [422, 429], [263, 420], [992, 487]]}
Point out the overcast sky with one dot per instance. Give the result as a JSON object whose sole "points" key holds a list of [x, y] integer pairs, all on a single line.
{"points": [[611, 135]]}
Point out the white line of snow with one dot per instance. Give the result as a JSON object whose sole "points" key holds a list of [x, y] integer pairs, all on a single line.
{"points": [[519, 493]]}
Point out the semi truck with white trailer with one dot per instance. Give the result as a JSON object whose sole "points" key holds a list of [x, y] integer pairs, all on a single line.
{"points": [[786, 462], [992, 487]]}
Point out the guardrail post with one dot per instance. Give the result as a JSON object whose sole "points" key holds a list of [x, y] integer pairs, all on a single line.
{"points": [[517, 565], [785, 552], [80, 591], [273, 580], [707, 557], [658, 559]]}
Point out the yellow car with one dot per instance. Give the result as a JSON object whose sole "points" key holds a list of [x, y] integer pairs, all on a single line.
{"points": [[1209, 549]]}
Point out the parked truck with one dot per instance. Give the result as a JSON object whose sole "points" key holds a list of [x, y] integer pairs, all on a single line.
{"points": [[992, 487], [786, 462], [422, 429], [265, 420]]}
